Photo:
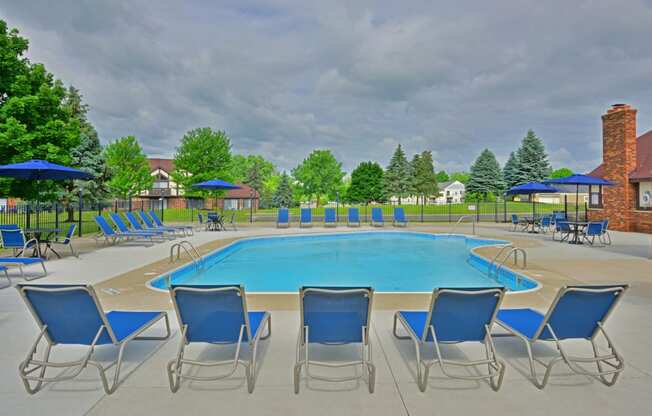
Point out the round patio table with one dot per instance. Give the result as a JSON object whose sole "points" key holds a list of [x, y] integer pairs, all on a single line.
{"points": [[576, 227], [50, 234]]}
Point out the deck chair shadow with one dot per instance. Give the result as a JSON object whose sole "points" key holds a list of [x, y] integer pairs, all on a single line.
{"points": [[335, 316], [216, 314], [455, 316], [72, 315], [577, 313]]}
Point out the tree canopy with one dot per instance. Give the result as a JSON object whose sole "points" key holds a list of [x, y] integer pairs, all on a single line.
{"points": [[283, 194], [442, 176], [486, 176], [510, 171], [33, 121], [561, 173], [128, 167], [532, 160], [319, 174], [462, 177], [366, 184], [202, 155], [398, 175], [425, 179]]}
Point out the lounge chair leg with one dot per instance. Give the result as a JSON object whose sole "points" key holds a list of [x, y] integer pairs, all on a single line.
{"points": [[300, 359], [174, 366], [394, 329], [8, 280]]}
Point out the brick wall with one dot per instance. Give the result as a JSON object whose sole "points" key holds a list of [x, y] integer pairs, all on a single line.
{"points": [[619, 157]]}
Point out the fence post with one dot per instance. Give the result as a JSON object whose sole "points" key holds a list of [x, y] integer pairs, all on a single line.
{"points": [[422, 203], [28, 215], [56, 215], [566, 206], [505, 210], [477, 211], [79, 217], [496, 210], [450, 211]]}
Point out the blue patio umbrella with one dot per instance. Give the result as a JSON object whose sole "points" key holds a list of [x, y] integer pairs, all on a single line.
{"points": [[215, 185], [530, 189], [578, 179]]}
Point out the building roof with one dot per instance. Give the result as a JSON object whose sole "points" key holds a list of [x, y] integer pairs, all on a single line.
{"points": [[444, 185], [643, 169], [166, 165]]}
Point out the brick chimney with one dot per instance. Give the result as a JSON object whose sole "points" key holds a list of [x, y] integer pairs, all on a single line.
{"points": [[619, 157]]}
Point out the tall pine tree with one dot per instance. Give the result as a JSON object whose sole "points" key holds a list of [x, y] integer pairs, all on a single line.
{"points": [[283, 196], [533, 163], [425, 179], [510, 170], [486, 176], [398, 175]]}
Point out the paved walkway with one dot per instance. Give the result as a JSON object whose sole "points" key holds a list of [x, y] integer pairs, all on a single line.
{"points": [[145, 388]]}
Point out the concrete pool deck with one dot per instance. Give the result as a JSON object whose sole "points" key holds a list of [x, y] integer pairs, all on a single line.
{"points": [[145, 390]]}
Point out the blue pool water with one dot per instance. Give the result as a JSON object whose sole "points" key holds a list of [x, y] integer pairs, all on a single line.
{"points": [[386, 261]]}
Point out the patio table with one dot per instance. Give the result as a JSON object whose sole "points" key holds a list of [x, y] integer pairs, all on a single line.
{"points": [[215, 221], [576, 227], [50, 234], [532, 221]]}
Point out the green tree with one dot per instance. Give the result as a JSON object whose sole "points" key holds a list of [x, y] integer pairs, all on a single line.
{"points": [[241, 165], [398, 175], [532, 159], [319, 174], [366, 184], [510, 174], [486, 176], [283, 195], [33, 121], [258, 174], [128, 168], [442, 176], [202, 155], [462, 177], [561, 173], [425, 179]]}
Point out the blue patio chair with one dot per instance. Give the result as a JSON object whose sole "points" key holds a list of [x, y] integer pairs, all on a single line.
{"points": [[563, 228], [23, 261], [110, 235], [353, 219], [455, 316], [335, 316], [186, 229], [330, 217], [399, 217], [377, 217], [67, 239], [576, 313], [12, 237], [150, 226], [545, 223], [123, 229], [73, 315], [136, 226], [517, 222], [605, 238], [283, 218], [592, 230], [305, 220], [216, 314]]}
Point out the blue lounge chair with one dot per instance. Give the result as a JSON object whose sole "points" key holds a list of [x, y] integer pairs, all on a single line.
{"points": [[577, 313], [455, 316], [305, 219], [335, 316], [283, 218], [12, 237], [111, 236], [330, 217], [563, 229], [517, 222], [399, 217], [186, 229], [24, 261], [4, 270], [545, 223], [123, 229], [353, 219], [66, 241], [136, 226], [592, 230], [216, 315], [377, 217], [148, 225], [72, 315]]}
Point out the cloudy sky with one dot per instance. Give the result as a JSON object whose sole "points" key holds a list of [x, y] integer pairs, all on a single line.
{"points": [[358, 77]]}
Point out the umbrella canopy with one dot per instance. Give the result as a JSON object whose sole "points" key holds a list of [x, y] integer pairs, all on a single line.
{"points": [[42, 169], [531, 188], [215, 184], [580, 179]]}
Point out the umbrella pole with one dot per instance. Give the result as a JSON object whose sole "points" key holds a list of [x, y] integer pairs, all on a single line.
{"points": [[577, 200]]}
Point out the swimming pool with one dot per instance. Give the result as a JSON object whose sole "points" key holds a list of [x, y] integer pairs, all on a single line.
{"points": [[387, 261]]}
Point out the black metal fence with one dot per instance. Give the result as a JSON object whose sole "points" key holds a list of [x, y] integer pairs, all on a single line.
{"points": [[61, 215]]}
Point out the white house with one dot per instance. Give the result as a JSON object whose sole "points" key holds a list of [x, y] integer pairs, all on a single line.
{"points": [[450, 192]]}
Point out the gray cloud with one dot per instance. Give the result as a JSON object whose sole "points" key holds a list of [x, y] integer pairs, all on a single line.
{"points": [[285, 77]]}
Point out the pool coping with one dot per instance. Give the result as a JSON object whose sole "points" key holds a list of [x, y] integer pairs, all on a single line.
{"points": [[472, 252]]}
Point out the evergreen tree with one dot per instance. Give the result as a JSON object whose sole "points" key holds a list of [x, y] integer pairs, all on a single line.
{"points": [[425, 179], [510, 171], [366, 184], [283, 195], [486, 177], [532, 159], [398, 177]]}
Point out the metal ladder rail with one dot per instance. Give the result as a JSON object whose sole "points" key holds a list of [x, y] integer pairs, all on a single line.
{"points": [[463, 217], [194, 255], [515, 251], [492, 265]]}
